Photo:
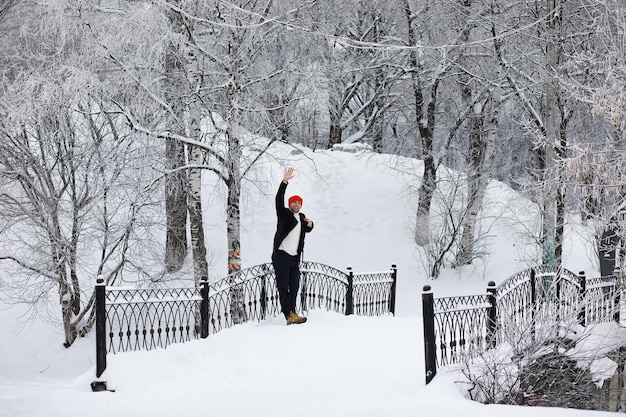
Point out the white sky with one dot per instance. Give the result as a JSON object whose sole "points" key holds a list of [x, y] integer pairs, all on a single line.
{"points": [[331, 366]]}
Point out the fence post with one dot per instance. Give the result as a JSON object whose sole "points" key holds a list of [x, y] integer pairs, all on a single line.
{"points": [[204, 307], [101, 341], [304, 290], [430, 352], [618, 292], [264, 292], [392, 295], [533, 301], [493, 315], [350, 293], [533, 287], [559, 301], [582, 280]]}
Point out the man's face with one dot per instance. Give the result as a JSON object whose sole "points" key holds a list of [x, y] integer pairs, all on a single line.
{"points": [[295, 206]]}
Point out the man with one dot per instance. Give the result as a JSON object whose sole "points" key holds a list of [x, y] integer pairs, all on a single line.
{"points": [[288, 245]]}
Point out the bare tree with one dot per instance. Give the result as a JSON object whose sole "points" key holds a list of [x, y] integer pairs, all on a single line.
{"points": [[74, 183], [362, 75], [159, 85], [480, 101], [222, 53], [175, 91], [538, 96], [445, 230], [610, 60], [595, 76], [60, 175], [424, 92], [433, 53]]}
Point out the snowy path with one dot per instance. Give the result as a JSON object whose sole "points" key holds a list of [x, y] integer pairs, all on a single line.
{"points": [[331, 366]]}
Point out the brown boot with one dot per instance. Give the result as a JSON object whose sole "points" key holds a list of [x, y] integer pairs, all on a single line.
{"points": [[293, 318]]}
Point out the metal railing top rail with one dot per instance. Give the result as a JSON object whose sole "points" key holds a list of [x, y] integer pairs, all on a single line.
{"points": [[383, 277], [446, 304], [239, 277], [308, 266], [128, 295], [242, 275], [524, 276], [122, 294], [598, 282]]}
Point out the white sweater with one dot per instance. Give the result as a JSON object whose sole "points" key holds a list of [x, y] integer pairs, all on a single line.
{"points": [[290, 242]]}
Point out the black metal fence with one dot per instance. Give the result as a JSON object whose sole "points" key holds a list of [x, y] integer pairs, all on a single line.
{"points": [[130, 319], [458, 328]]}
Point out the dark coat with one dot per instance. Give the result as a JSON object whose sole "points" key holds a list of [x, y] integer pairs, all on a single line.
{"points": [[286, 221]]}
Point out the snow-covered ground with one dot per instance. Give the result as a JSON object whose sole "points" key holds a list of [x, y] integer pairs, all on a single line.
{"points": [[363, 207]]}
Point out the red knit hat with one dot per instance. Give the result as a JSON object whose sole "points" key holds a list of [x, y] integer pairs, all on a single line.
{"points": [[295, 198]]}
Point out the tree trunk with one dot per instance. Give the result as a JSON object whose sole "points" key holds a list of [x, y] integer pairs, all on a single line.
{"points": [[175, 206], [176, 179], [561, 153], [233, 214], [233, 181], [193, 118], [66, 297], [378, 124], [548, 238], [482, 147], [475, 184], [233, 227], [424, 119], [426, 191], [335, 130], [198, 246]]}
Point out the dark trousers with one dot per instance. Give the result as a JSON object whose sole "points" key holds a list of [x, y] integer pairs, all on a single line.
{"points": [[287, 273]]}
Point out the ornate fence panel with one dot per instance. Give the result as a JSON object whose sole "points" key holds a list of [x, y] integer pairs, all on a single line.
{"points": [[256, 298], [322, 286], [537, 298], [133, 319], [602, 299], [462, 329], [529, 302], [144, 319], [374, 293]]}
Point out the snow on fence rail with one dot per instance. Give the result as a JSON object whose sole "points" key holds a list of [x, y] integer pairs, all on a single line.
{"points": [[130, 319]]}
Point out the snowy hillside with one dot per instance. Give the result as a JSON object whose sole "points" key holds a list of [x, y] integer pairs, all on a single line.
{"points": [[363, 208]]}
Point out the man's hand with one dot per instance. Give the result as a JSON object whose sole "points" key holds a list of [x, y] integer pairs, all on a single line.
{"points": [[308, 221], [289, 174]]}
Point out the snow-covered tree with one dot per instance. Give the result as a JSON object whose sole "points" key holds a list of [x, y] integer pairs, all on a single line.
{"points": [[435, 45], [73, 204], [360, 71], [176, 182]]}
